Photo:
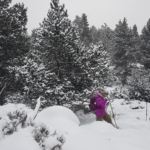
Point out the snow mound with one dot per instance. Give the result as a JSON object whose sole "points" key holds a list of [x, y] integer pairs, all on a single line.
{"points": [[22, 140], [56, 112], [99, 126], [136, 105], [59, 118]]}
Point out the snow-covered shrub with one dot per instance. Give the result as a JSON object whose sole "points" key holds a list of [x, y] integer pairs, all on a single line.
{"points": [[139, 84], [40, 133], [119, 92], [16, 117], [14, 98], [46, 140], [9, 128], [77, 106]]}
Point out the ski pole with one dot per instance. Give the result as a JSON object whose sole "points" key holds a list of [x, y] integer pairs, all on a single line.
{"points": [[146, 110], [113, 114]]}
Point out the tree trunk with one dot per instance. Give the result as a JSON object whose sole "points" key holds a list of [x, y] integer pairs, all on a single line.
{"points": [[1, 95]]}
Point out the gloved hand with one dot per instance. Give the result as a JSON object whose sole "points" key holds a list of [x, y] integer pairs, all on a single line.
{"points": [[107, 104]]}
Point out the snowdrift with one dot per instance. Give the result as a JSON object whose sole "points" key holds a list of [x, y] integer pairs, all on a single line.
{"points": [[133, 132], [59, 117]]}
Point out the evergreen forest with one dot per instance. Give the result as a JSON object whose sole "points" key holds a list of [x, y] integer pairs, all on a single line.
{"points": [[66, 61]]}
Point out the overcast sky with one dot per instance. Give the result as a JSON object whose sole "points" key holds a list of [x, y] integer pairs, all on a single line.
{"points": [[98, 11]]}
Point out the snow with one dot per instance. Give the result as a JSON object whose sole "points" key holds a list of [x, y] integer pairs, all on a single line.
{"points": [[12, 107], [51, 142], [21, 140], [58, 117], [55, 112], [83, 132]]}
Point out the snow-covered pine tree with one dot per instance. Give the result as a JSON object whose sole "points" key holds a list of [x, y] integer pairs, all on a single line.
{"points": [[31, 74], [95, 59], [53, 68], [145, 46], [58, 44], [14, 42], [135, 31], [122, 54], [85, 36], [136, 43], [94, 35], [106, 35], [58, 39], [83, 28], [78, 24]]}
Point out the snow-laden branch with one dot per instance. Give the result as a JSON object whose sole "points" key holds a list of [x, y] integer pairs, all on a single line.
{"points": [[33, 115]]}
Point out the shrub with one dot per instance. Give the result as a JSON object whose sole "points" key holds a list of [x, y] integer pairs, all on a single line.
{"points": [[46, 140]]}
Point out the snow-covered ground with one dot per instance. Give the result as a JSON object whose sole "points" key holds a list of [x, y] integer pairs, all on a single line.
{"points": [[83, 132]]}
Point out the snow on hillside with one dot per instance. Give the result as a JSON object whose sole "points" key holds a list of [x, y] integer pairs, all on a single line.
{"points": [[83, 133]]}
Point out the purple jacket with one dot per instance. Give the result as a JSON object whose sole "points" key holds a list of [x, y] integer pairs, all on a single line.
{"points": [[100, 105]]}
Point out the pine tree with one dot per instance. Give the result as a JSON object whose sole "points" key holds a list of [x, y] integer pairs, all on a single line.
{"points": [[136, 43], [107, 37], [14, 42], [96, 61], [57, 44], [83, 29], [123, 56], [94, 35], [78, 24], [145, 45], [135, 31], [85, 36], [58, 38]]}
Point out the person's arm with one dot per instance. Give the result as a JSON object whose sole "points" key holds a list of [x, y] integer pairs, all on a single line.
{"points": [[92, 100], [100, 102]]}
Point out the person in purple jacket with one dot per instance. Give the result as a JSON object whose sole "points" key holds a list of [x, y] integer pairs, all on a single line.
{"points": [[98, 104]]}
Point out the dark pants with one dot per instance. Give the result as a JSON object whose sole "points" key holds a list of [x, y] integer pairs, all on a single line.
{"points": [[106, 117]]}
